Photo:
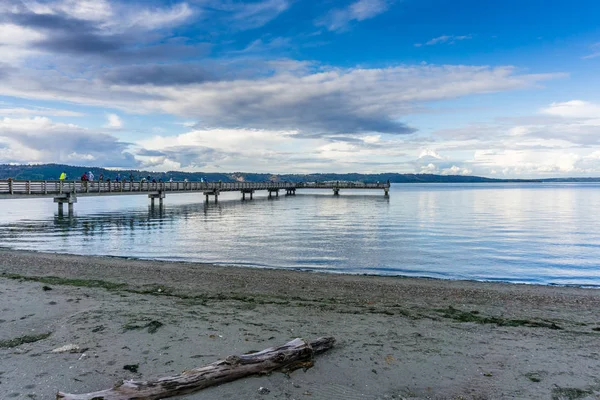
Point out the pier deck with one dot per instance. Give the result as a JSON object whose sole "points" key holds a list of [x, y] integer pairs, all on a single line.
{"points": [[68, 191]]}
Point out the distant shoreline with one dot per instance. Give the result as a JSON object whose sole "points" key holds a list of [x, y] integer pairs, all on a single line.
{"points": [[53, 171]]}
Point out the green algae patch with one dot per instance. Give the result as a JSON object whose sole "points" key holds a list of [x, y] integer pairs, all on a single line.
{"points": [[534, 376], [55, 280], [15, 342], [474, 316], [569, 393], [131, 367], [152, 326]]}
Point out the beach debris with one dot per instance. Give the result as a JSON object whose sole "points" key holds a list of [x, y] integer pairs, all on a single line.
{"points": [[152, 326], [67, 348], [131, 367], [46, 288], [298, 353], [263, 390]]}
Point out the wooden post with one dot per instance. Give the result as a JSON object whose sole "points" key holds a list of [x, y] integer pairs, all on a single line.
{"points": [[45, 187]]}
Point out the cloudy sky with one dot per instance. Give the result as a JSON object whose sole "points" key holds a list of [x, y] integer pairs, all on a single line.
{"points": [[495, 88]]}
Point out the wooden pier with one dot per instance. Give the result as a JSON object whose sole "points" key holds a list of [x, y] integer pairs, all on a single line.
{"points": [[67, 192]]}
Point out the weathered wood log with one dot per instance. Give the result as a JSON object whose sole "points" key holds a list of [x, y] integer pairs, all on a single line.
{"points": [[296, 354]]}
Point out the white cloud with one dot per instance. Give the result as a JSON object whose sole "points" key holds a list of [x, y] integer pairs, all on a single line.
{"points": [[455, 170], [329, 102], [15, 41], [39, 111], [563, 140], [113, 121], [595, 51], [39, 139], [371, 139], [335, 101], [256, 14], [91, 10], [428, 169], [445, 39], [339, 19], [528, 162], [574, 109], [430, 153], [267, 45], [158, 18]]}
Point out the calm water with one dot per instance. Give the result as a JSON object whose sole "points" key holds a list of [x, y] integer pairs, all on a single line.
{"points": [[534, 233]]}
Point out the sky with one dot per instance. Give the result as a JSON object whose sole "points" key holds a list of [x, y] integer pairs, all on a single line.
{"points": [[506, 89]]}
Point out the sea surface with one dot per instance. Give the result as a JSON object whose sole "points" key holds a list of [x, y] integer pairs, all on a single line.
{"points": [[526, 233]]}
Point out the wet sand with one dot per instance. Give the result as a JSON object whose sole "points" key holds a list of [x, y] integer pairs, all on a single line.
{"points": [[397, 337]]}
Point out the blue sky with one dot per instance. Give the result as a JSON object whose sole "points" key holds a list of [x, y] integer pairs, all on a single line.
{"points": [[500, 89]]}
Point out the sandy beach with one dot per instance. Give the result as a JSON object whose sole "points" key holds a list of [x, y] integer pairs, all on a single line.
{"points": [[397, 338]]}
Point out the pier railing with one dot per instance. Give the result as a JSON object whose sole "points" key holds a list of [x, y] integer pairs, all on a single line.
{"points": [[32, 188]]}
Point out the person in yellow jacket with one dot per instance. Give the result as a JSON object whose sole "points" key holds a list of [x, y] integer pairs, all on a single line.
{"points": [[63, 176]]}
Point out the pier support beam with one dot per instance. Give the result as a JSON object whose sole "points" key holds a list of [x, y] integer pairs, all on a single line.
{"points": [[68, 198], [271, 191], [247, 191], [336, 191], [290, 192], [160, 195], [386, 192], [212, 193]]}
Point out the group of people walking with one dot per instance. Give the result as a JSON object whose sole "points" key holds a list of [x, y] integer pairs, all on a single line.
{"points": [[89, 177]]}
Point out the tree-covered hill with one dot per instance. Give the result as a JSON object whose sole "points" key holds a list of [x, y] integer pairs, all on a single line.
{"points": [[53, 171]]}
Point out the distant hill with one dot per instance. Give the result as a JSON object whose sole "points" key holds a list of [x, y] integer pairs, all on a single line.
{"points": [[53, 171]]}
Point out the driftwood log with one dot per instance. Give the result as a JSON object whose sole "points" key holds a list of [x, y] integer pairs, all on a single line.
{"points": [[296, 354]]}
